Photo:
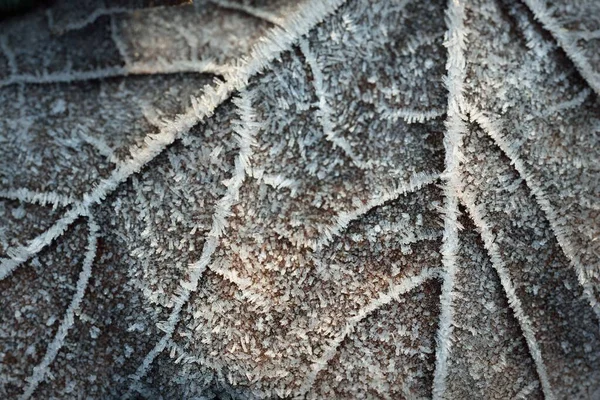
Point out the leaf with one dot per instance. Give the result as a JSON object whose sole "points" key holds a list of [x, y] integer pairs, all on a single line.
{"points": [[271, 199]]}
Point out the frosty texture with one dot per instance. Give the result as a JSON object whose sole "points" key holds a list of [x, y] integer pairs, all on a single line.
{"points": [[311, 199]]}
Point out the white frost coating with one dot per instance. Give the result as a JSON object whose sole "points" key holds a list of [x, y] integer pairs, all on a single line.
{"points": [[542, 14], [40, 371], [138, 68], [493, 250], [416, 182], [279, 39], [252, 382], [412, 116], [406, 285], [324, 109], [18, 255], [492, 129], [276, 41], [245, 132], [568, 104], [100, 145], [42, 198], [455, 129], [526, 391]]}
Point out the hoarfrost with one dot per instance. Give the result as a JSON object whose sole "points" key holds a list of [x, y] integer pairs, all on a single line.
{"points": [[300, 199]]}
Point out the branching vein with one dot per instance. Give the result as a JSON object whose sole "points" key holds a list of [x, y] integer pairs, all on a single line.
{"points": [[415, 183], [568, 44], [455, 129], [40, 371], [493, 131], [478, 217], [325, 111], [245, 138], [406, 285], [42, 198], [137, 68], [277, 41]]}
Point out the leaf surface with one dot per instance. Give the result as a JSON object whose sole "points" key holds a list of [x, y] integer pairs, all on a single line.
{"points": [[272, 199]]}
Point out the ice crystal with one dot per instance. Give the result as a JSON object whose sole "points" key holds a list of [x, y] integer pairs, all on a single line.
{"points": [[257, 199]]}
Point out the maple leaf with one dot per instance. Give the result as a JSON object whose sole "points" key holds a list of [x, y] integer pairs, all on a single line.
{"points": [[300, 199]]}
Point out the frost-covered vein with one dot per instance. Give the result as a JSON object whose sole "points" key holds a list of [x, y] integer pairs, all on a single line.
{"points": [[99, 145], [542, 14], [455, 129], [243, 285], [406, 285], [277, 40], [253, 295], [252, 11], [411, 116], [415, 183], [493, 130], [245, 138], [40, 371], [568, 104], [42, 198], [245, 130], [526, 391], [155, 144], [479, 219], [138, 68], [282, 37], [324, 109], [182, 66], [18, 255]]}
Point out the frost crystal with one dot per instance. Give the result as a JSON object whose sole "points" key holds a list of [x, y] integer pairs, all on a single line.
{"points": [[261, 199]]}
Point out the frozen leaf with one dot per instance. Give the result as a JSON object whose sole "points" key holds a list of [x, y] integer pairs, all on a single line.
{"points": [[300, 199]]}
